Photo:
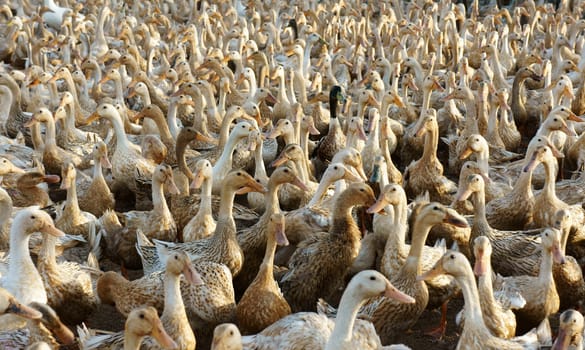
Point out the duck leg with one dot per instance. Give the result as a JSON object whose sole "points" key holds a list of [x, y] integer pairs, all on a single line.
{"points": [[439, 332]]}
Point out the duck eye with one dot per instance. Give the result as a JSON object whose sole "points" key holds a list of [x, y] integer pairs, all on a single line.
{"points": [[141, 316], [335, 167], [231, 332], [33, 217], [362, 190], [452, 256], [239, 174], [286, 171], [176, 257]]}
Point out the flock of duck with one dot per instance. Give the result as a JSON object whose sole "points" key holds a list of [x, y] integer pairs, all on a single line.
{"points": [[384, 154]]}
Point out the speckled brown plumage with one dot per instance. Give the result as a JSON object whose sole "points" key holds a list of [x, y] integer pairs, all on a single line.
{"points": [[318, 266]]}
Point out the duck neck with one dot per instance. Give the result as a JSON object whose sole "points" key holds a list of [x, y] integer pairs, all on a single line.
{"points": [[158, 198], [180, 149], [227, 155], [172, 119], [471, 126], [120, 91], [259, 168], [431, 144], [266, 272], [545, 275], [70, 119], [549, 183], [320, 192], [472, 309], [484, 283], [205, 206], [420, 232], [122, 142], [226, 204], [174, 307], [71, 204], [50, 141], [97, 170], [342, 220], [346, 315], [224, 131], [483, 161], [523, 186], [163, 129], [480, 223], [282, 90]]}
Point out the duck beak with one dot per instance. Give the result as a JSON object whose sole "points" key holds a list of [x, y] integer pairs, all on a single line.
{"points": [[437, 270], [531, 164], [558, 255], [455, 219], [271, 99], [361, 133], [562, 342], [392, 292], [23, 311], [480, 267], [252, 186], [568, 131], [52, 230], [281, 239], [377, 207], [252, 145], [279, 161], [421, 131], [92, 117], [313, 130], [102, 80], [132, 93], [64, 334], [197, 180], [274, 133], [200, 137], [350, 176], [172, 186], [574, 117], [54, 78], [34, 82], [105, 162], [398, 101], [192, 276], [51, 179], [161, 336], [300, 184], [466, 153], [31, 122], [463, 195]]}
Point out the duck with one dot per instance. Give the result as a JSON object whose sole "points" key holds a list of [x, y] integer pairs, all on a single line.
{"points": [[252, 240], [570, 334], [224, 164], [255, 199], [209, 303], [426, 174], [496, 309], [128, 165], [69, 287], [226, 336], [331, 143], [546, 203], [315, 330], [28, 193], [343, 238], [174, 317], [140, 323], [53, 156], [23, 279], [568, 276], [540, 292], [222, 247], [262, 303], [72, 219], [201, 225], [384, 312], [475, 331], [47, 328], [96, 198], [153, 112], [156, 223], [515, 252]]}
